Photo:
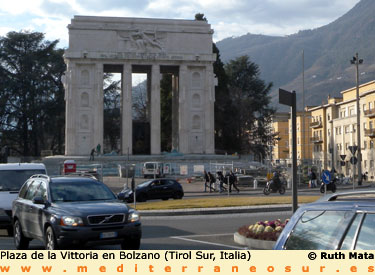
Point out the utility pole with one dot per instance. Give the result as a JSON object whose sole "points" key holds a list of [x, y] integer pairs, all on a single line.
{"points": [[356, 61]]}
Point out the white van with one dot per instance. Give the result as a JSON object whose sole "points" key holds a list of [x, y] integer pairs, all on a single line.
{"points": [[12, 176], [151, 169]]}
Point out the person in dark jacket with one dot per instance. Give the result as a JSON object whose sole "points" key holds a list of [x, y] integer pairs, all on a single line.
{"points": [[233, 182], [212, 181], [206, 181]]}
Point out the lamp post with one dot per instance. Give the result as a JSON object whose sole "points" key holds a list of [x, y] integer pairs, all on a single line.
{"points": [[356, 61]]}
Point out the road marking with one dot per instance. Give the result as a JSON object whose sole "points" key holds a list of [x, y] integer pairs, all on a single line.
{"points": [[186, 238]]}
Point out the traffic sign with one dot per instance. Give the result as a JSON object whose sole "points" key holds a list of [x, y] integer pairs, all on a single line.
{"points": [[342, 157], [353, 149], [353, 160], [326, 177]]}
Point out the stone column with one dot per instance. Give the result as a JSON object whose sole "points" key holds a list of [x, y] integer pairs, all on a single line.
{"points": [[70, 109], [155, 110], [175, 111], [98, 114], [127, 119], [183, 134]]}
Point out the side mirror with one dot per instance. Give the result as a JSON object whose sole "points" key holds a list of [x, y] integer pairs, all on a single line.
{"points": [[38, 200]]}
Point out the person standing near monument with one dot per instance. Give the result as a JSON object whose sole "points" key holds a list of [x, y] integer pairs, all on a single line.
{"points": [[92, 154], [98, 148]]}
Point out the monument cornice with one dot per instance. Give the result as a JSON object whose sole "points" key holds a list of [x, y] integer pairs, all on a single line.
{"points": [[71, 55], [133, 24]]}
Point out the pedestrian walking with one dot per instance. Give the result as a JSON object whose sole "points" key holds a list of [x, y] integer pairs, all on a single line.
{"points": [[212, 181], [233, 182], [206, 181], [313, 179], [221, 179]]}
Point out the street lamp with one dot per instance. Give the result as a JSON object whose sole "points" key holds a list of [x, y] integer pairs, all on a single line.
{"points": [[356, 61]]}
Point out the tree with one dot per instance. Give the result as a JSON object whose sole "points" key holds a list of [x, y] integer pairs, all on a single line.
{"points": [[112, 112], [223, 110], [32, 94], [250, 114], [166, 112]]}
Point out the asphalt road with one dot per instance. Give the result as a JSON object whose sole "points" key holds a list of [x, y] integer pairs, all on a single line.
{"points": [[182, 232]]}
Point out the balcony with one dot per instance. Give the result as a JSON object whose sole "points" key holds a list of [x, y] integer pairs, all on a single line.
{"points": [[316, 124], [370, 113], [316, 139], [370, 133]]}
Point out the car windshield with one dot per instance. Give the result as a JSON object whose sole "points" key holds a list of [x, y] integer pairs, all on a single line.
{"points": [[319, 230], [12, 180], [80, 191], [150, 165], [144, 184]]}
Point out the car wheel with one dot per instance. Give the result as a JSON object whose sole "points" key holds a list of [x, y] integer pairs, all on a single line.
{"points": [[20, 241], [178, 195], [50, 239], [131, 244]]}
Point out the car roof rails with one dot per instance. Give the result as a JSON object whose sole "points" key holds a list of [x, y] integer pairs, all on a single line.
{"points": [[87, 174], [40, 176], [357, 195]]}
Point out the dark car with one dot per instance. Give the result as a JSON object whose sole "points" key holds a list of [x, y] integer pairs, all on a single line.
{"points": [[154, 189], [343, 221], [66, 211]]}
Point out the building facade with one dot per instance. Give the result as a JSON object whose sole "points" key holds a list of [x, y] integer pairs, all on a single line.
{"points": [[334, 128]]}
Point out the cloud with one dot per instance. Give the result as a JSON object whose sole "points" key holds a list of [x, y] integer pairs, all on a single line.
{"points": [[64, 9], [227, 17]]}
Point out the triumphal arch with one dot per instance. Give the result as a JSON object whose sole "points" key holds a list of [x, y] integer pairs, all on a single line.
{"points": [[182, 48]]}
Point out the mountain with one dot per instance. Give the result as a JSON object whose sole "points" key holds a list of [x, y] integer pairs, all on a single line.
{"points": [[327, 54]]}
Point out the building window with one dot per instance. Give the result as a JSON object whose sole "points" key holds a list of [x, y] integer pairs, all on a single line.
{"points": [[370, 124], [371, 163], [354, 127], [329, 117], [365, 163], [329, 132], [364, 107], [365, 144], [346, 146], [371, 144], [351, 112], [364, 125], [346, 129]]}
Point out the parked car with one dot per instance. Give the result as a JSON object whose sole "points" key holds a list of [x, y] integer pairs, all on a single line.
{"points": [[339, 221], [153, 169], [154, 189], [12, 176], [69, 210]]}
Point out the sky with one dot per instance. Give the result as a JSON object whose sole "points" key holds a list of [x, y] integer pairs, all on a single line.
{"points": [[228, 18]]}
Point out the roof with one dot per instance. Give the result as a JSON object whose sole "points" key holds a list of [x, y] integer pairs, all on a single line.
{"points": [[22, 166]]}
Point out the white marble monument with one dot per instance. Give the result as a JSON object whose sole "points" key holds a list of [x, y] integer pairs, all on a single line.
{"points": [[180, 47]]}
